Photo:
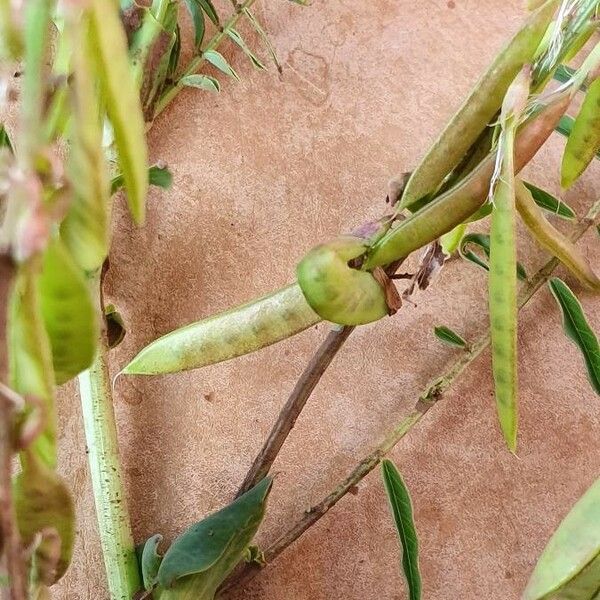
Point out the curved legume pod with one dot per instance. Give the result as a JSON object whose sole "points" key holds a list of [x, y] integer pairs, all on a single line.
{"points": [[569, 567], [553, 240], [478, 109], [337, 292], [459, 203], [584, 140], [232, 333]]}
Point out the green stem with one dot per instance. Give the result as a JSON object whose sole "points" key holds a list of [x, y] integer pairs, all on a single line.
{"points": [[171, 92], [114, 525]]}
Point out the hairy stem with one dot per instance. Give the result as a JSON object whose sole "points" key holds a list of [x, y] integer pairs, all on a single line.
{"points": [[171, 92], [114, 524], [10, 540], [426, 400]]}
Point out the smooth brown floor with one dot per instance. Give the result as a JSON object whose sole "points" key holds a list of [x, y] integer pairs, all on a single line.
{"points": [[262, 172]]}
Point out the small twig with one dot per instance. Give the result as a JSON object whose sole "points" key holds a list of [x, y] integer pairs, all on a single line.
{"points": [[297, 401], [10, 540], [424, 403], [171, 92]]}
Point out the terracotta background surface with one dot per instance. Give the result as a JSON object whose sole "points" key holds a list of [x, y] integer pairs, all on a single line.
{"points": [[262, 172]]}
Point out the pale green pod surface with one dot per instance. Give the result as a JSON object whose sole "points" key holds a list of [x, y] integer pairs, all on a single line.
{"points": [[229, 334], [337, 292], [456, 205], [503, 297], [569, 567], [584, 140], [478, 109], [122, 100]]}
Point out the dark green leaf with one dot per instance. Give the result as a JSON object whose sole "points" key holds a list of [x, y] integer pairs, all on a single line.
{"points": [[210, 549], [237, 38], [564, 73], [264, 36], [217, 60], [43, 502], [401, 507], [577, 328], [549, 203], [68, 312], [149, 560], [449, 337], [5, 139], [482, 242], [569, 567], [197, 15], [209, 9], [175, 53], [115, 326], [202, 82], [158, 175]]}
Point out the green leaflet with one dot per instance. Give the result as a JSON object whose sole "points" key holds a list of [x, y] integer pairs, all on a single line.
{"points": [[200, 559], [226, 335], [197, 15], [5, 140], [202, 82], [584, 140], [449, 337], [42, 501], [569, 567], [85, 229], [237, 38], [30, 356], [477, 110], [149, 560], [264, 36], [482, 241], [68, 312], [122, 102], [577, 328], [401, 507], [549, 203], [158, 176], [217, 60]]}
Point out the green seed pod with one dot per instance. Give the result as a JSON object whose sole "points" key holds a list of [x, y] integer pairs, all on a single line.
{"points": [[232, 333], [584, 141], [459, 203], [478, 109], [336, 291], [553, 240]]}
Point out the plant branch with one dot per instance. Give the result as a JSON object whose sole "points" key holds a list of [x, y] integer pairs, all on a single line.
{"points": [[171, 92], [296, 402], [293, 407], [114, 525], [10, 540], [427, 399]]}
